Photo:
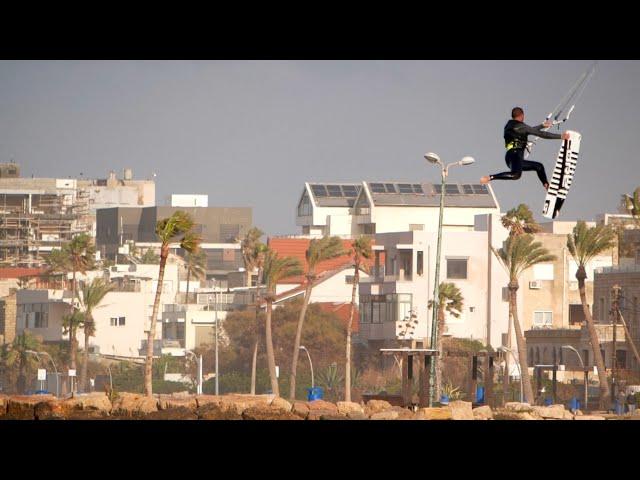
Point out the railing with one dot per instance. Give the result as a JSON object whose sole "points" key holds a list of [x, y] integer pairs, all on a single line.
{"points": [[619, 269]]}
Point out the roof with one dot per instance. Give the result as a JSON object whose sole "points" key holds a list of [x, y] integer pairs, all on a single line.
{"points": [[342, 311], [428, 194], [8, 273], [297, 247], [340, 194]]}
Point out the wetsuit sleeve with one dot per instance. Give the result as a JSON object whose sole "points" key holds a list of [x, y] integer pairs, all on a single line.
{"points": [[537, 131]]}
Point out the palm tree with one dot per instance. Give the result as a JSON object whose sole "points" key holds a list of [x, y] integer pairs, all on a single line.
{"points": [[584, 244], [449, 300], [58, 265], [92, 295], [196, 263], [520, 220], [19, 356], [632, 202], [248, 246], [180, 224], [259, 254], [519, 253], [275, 269], [360, 249], [319, 250]]}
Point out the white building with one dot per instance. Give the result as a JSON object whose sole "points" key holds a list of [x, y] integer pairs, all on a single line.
{"points": [[350, 209]]}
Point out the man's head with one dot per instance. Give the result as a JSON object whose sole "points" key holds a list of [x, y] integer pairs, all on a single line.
{"points": [[517, 114]]}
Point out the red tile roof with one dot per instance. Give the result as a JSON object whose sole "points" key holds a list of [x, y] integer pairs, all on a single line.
{"points": [[8, 273], [297, 247], [342, 310]]}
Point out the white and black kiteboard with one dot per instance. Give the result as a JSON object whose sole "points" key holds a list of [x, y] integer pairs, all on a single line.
{"points": [[562, 177]]}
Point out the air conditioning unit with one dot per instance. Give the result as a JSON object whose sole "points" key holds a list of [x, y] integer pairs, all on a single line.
{"points": [[535, 285]]}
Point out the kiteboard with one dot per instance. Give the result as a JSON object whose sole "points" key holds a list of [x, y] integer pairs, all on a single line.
{"points": [[563, 173]]}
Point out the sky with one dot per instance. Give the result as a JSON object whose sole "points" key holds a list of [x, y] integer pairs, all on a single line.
{"points": [[250, 133]]}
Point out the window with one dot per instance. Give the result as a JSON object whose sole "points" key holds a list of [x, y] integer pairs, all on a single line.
{"points": [[117, 321], [457, 268], [543, 271], [41, 320], [576, 314], [304, 208], [420, 262], [416, 227], [542, 318], [601, 311], [585, 357]]}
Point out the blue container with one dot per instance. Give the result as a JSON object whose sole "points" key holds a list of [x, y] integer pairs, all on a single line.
{"points": [[479, 394], [548, 401], [315, 393], [574, 404], [444, 399]]}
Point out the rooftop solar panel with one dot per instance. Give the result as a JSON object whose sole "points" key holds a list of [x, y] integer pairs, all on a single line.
{"points": [[377, 188], [319, 190], [481, 189], [452, 189], [468, 189], [390, 188], [350, 190], [405, 188], [417, 188], [334, 190]]}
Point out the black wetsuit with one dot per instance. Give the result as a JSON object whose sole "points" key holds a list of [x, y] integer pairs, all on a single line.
{"points": [[515, 138]]}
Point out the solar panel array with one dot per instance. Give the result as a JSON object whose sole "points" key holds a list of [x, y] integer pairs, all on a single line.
{"points": [[454, 189], [411, 188], [324, 190]]}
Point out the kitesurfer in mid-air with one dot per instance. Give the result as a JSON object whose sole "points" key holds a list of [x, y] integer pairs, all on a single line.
{"points": [[515, 138]]}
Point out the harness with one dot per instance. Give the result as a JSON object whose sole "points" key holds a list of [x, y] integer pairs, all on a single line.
{"points": [[513, 144]]}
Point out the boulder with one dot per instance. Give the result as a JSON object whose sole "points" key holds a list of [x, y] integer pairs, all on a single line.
{"points": [[375, 406], [403, 413], [90, 401], [588, 417], [202, 400], [461, 410], [518, 406], [240, 403], [300, 409], [385, 415], [168, 402], [507, 414], [51, 410], [333, 416], [267, 412], [4, 401], [319, 408], [356, 416], [483, 413], [176, 413], [553, 411], [134, 405], [347, 408], [214, 411], [282, 404], [435, 413], [88, 415], [22, 407]]}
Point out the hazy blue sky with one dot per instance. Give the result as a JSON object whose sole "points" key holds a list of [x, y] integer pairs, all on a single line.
{"points": [[249, 133]]}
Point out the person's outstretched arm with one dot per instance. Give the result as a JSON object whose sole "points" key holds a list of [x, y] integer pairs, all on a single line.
{"points": [[538, 132]]}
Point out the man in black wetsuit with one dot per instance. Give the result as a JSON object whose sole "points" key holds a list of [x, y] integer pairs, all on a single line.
{"points": [[515, 138]]}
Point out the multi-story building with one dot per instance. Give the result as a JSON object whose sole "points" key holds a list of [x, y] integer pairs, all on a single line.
{"points": [[350, 209], [401, 286], [40, 214]]}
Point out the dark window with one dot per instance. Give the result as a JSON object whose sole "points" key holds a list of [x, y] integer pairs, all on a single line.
{"points": [[405, 188], [390, 188], [621, 358], [420, 262], [585, 357], [437, 188], [377, 188], [229, 232], [452, 189], [576, 314], [457, 268], [417, 188], [350, 190], [468, 189], [480, 189]]}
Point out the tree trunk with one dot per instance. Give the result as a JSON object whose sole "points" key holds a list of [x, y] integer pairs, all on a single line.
{"points": [[85, 356], [438, 379], [271, 360], [254, 362], [605, 393], [188, 279], [296, 344], [507, 377], [522, 348], [148, 365], [347, 365]]}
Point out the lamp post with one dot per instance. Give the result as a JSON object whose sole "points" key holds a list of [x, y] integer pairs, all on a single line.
{"points": [[302, 347], [515, 359], [435, 159], [586, 373], [55, 370], [38, 357], [215, 296]]}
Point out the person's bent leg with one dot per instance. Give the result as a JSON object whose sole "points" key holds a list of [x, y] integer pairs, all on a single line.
{"points": [[513, 159], [528, 165]]}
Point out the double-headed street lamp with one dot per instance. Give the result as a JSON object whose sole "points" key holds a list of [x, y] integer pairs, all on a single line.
{"points": [[586, 373], [37, 354], [435, 159]]}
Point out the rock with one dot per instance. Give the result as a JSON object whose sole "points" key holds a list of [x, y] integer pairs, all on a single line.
{"points": [[319, 408], [588, 417], [301, 409], [482, 413], [177, 413], [51, 410], [403, 413], [568, 415], [202, 400], [356, 416], [167, 402], [385, 415], [508, 414], [461, 410], [88, 415], [90, 401], [22, 407], [134, 405], [517, 406], [267, 412], [552, 411], [435, 413], [375, 406], [213, 411], [4, 401], [332, 416], [346, 408], [240, 403], [282, 404], [579, 412]]}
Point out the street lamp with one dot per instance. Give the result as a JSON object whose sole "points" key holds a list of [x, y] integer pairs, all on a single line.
{"points": [[38, 357], [433, 158], [505, 349], [302, 347], [586, 373], [55, 370]]}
